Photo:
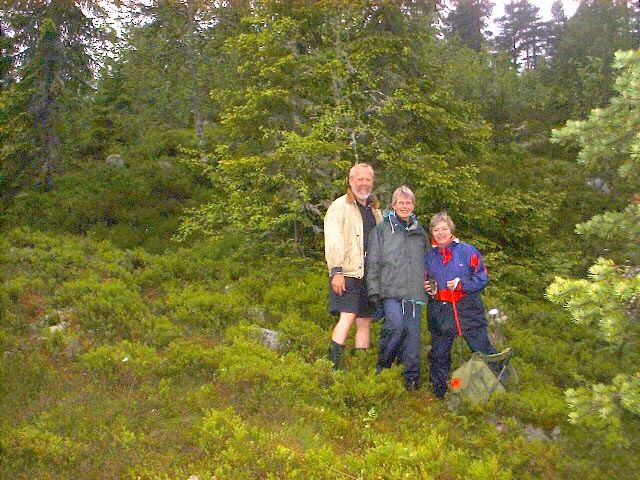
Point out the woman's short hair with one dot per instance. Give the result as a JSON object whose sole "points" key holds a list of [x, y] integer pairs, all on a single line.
{"points": [[439, 218], [403, 191]]}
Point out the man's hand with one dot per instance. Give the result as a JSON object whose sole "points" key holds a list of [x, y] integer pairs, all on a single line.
{"points": [[338, 284]]}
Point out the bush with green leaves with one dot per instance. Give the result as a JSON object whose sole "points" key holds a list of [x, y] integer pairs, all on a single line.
{"points": [[35, 448], [184, 357], [107, 309], [300, 288], [306, 337], [135, 205], [129, 359], [202, 308]]}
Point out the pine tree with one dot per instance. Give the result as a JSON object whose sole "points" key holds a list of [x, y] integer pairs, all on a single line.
{"points": [[5, 60], [468, 20], [609, 300], [520, 33], [311, 88], [584, 54], [49, 46], [171, 44], [553, 30]]}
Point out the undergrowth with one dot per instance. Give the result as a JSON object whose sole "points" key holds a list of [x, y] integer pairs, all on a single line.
{"points": [[127, 365]]}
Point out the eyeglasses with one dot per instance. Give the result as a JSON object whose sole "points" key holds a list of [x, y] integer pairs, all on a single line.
{"points": [[403, 204]]}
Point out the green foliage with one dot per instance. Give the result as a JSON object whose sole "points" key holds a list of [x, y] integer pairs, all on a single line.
{"points": [[519, 34], [619, 232], [467, 21], [126, 359], [52, 55], [608, 299], [16, 156], [187, 358], [35, 446], [106, 307], [598, 407], [198, 307], [127, 356], [306, 94], [235, 407], [132, 206], [298, 288], [607, 140], [543, 402], [304, 336], [585, 54]]}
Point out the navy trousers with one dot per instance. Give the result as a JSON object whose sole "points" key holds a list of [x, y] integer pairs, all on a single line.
{"points": [[444, 331], [400, 338]]}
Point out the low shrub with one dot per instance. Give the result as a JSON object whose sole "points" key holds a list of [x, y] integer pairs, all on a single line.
{"points": [[34, 449], [107, 308], [187, 358], [123, 360], [201, 308]]}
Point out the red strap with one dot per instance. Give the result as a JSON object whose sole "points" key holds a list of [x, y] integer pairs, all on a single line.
{"points": [[455, 315]]}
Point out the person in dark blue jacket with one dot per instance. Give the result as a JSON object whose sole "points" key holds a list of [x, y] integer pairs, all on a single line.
{"points": [[455, 276]]}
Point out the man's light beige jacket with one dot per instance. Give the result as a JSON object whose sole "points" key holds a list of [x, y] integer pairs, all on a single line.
{"points": [[343, 235]]}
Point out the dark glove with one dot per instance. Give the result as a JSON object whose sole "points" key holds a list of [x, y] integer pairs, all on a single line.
{"points": [[375, 300]]}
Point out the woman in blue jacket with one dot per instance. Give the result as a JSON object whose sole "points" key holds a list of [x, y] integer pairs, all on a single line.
{"points": [[456, 275]]}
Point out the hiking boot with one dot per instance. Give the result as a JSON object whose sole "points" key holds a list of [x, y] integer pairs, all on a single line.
{"points": [[335, 354], [439, 392]]}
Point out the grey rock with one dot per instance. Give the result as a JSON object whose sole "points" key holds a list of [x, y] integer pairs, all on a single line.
{"points": [[270, 338], [115, 160]]}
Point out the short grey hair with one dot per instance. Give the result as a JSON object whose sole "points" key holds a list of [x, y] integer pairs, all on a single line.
{"points": [[403, 191], [439, 218], [359, 166]]}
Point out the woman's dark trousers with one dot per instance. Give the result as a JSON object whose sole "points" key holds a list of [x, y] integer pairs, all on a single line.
{"points": [[400, 339]]}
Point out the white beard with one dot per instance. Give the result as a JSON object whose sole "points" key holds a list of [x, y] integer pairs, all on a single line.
{"points": [[360, 196]]}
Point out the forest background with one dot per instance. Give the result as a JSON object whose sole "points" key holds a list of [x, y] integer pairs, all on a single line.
{"points": [[163, 186]]}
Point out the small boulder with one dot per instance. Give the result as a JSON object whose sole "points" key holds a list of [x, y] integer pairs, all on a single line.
{"points": [[115, 160], [270, 338]]}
